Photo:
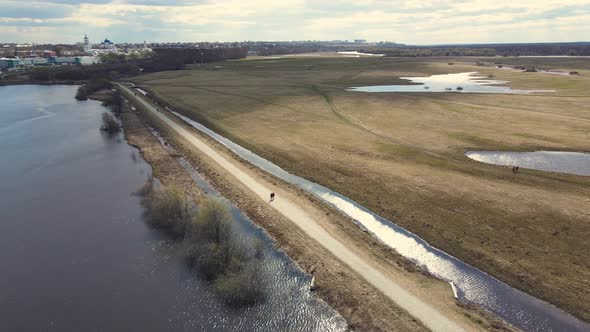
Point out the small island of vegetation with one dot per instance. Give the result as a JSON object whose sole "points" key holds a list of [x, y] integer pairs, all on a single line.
{"points": [[213, 247], [110, 125]]}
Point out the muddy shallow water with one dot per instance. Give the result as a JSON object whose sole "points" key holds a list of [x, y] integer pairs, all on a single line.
{"points": [[469, 82], [552, 161], [518, 308], [75, 252]]}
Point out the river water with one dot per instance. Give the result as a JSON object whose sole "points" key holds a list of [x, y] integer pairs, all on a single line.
{"points": [[518, 308], [75, 252]]}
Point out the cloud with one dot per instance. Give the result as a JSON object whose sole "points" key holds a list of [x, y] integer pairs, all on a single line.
{"points": [[38, 10], [410, 21]]}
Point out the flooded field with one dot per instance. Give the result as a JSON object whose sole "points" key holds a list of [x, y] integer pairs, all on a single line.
{"points": [[359, 54], [518, 308], [76, 253], [551, 161], [469, 82]]}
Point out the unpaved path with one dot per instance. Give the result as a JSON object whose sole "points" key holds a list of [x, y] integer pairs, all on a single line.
{"points": [[428, 315]]}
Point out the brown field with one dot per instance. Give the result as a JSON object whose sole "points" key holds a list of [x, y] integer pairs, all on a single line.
{"points": [[401, 155]]}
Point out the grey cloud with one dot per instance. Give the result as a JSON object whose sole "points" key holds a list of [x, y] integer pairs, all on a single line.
{"points": [[34, 10], [131, 2]]}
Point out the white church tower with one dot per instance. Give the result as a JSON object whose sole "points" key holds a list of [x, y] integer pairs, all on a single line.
{"points": [[87, 46]]}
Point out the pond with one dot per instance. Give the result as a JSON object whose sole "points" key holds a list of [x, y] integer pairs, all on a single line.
{"points": [[551, 161], [469, 82], [75, 252], [358, 54]]}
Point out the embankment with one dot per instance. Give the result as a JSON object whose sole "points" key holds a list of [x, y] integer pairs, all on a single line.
{"points": [[363, 306]]}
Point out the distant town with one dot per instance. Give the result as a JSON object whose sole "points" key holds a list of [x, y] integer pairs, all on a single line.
{"points": [[20, 56], [15, 57]]}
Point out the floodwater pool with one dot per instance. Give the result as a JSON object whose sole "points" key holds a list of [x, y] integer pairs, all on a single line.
{"points": [[518, 308], [551, 161], [469, 82]]}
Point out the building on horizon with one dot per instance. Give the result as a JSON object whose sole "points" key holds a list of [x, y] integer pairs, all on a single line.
{"points": [[87, 45], [107, 45]]}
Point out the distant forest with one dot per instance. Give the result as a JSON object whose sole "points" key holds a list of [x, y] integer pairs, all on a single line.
{"points": [[569, 49], [171, 58]]}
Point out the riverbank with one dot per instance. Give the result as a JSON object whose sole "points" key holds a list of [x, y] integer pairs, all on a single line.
{"points": [[303, 310], [79, 252], [363, 306], [401, 155]]}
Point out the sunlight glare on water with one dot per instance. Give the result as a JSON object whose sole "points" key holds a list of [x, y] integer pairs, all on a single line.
{"points": [[468, 82], [551, 161], [520, 309]]}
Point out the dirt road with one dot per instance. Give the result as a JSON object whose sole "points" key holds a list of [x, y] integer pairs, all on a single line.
{"points": [[428, 315]]}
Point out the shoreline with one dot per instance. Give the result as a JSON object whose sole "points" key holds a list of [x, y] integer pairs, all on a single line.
{"points": [[356, 314], [33, 82], [446, 219]]}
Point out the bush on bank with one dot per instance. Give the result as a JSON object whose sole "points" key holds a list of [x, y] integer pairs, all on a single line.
{"points": [[110, 124], [167, 209], [244, 286], [232, 262], [92, 86], [115, 102]]}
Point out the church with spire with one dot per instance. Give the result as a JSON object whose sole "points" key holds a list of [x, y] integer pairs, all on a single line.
{"points": [[87, 46]]}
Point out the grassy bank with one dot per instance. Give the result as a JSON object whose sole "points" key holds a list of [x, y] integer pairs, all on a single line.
{"points": [[363, 307], [401, 155]]}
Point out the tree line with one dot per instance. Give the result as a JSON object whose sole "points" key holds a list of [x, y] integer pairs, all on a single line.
{"points": [[83, 73], [571, 49]]}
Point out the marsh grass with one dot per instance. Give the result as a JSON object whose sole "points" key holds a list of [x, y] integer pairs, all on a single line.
{"points": [[168, 209], [231, 261]]}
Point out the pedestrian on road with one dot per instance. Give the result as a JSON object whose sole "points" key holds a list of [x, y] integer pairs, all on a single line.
{"points": [[517, 169], [513, 169], [272, 197]]}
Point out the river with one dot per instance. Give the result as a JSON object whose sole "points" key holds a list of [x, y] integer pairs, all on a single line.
{"points": [[75, 252]]}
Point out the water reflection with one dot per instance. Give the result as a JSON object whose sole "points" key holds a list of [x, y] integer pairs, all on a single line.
{"points": [[288, 300], [358, 54], [516, 307], [74, 250], [468, 82], [552, 161]]}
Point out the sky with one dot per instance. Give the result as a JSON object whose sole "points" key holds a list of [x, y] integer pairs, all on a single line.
{"points": [[418, 22]]}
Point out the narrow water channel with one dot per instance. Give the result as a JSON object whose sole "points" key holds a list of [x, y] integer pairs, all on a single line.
{"points": [[518, 308], [75, 252]]}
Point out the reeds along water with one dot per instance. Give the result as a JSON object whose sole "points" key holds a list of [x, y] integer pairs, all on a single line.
{"points": [[82, 258]]}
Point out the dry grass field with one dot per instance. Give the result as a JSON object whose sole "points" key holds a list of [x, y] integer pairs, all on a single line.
{"points": [[402, 154]]}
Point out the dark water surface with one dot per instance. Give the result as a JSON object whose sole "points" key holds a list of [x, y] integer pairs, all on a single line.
{"points": [[518, 308], [75, 254]]}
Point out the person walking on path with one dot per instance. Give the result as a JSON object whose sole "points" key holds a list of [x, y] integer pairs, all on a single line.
{"points": [[272, 197]]}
